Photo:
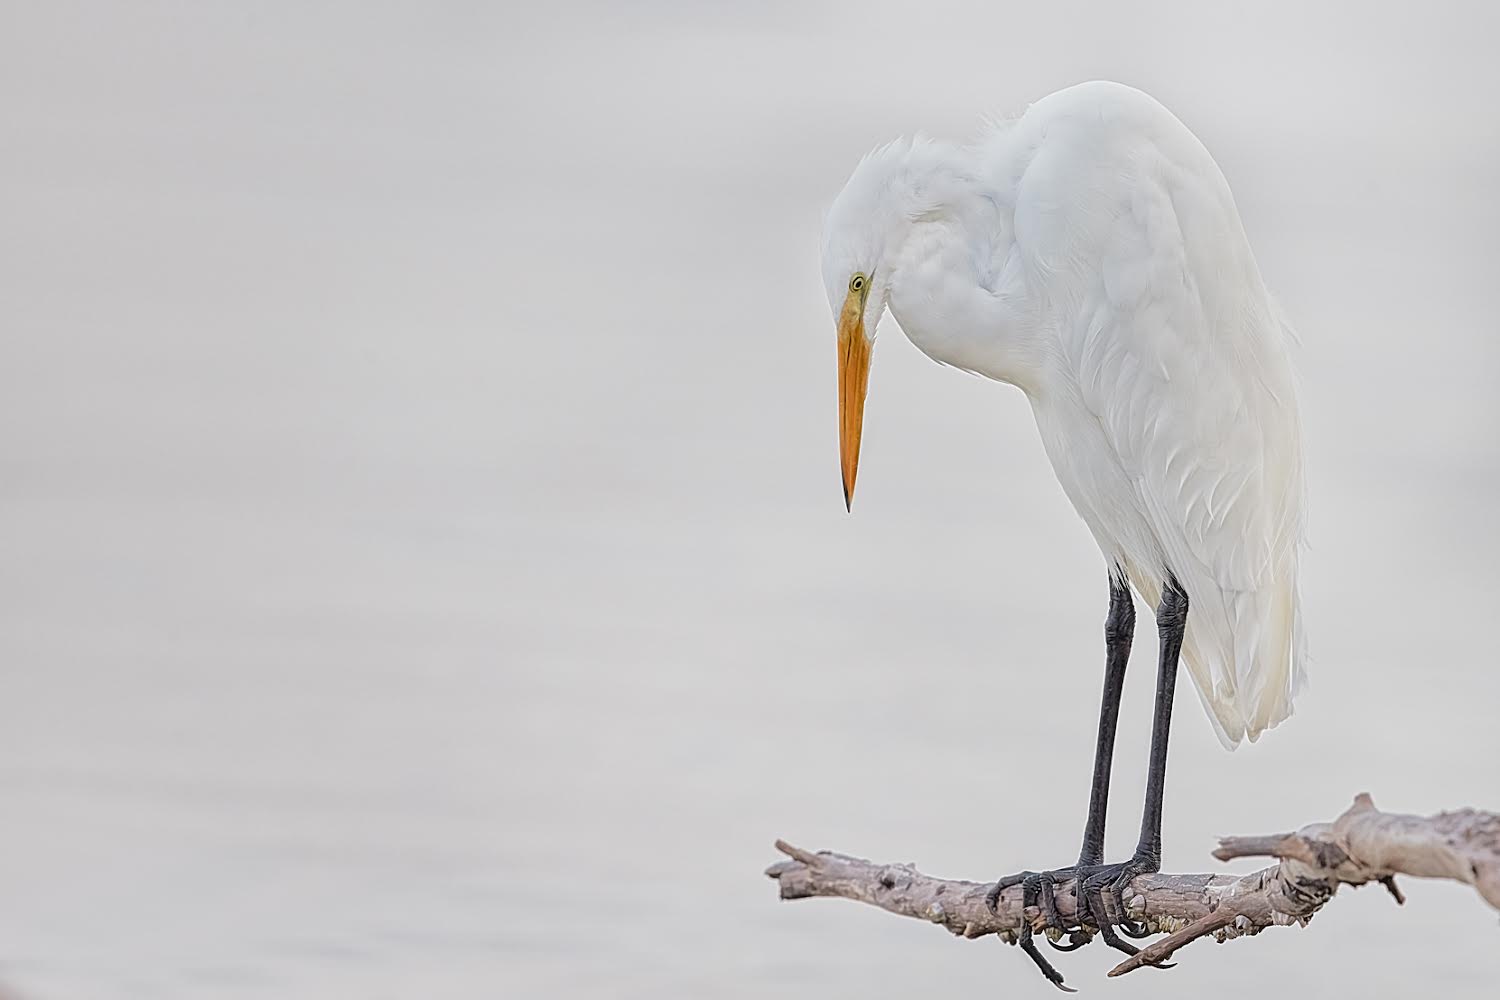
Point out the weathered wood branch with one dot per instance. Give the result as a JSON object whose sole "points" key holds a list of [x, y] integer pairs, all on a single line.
{"points": [[1363, 845]]}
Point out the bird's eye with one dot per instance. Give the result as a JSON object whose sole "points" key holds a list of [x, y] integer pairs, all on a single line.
{"points": [[857, 283]]}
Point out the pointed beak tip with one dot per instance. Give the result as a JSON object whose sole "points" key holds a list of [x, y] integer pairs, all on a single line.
{"points": [[853, 380]]}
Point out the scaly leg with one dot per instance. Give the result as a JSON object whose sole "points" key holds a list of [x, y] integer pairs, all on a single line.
{"points": [[1037, 887], [1105, 887]]}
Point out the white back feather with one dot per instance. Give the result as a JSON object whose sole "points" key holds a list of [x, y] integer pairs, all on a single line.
{"points": [[1090, 252]]}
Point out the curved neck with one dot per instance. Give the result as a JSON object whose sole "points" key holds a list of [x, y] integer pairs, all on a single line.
{"points": [[957, 285]]}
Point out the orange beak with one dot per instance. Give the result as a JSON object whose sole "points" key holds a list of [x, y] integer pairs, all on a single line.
{"points": [[854, 379]]}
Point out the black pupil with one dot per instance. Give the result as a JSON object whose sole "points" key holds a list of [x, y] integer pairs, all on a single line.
{"points": [[858, 283]]}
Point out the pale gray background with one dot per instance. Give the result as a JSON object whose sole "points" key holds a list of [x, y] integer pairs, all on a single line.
{"points": [[424, 569]]}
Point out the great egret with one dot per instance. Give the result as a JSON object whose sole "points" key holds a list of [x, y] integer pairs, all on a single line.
{"points": [[1089, 252]]}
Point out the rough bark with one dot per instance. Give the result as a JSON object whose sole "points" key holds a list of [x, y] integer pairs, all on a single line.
{"points": [[1363, 845]]}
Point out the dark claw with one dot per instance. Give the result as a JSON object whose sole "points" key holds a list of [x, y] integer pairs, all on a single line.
{"points": [[1127, 926], [1138, 930], [1099, 891], [1045, 967], [1076, 940], [1031, 890], [1113, 880], [1093, 891]]}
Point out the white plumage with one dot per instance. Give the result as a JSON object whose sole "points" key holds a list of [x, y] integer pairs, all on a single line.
{"points": [[1090, 253]]}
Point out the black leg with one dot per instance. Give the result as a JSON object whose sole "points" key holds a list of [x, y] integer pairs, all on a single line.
{"points": [[1119, 629], [1171, 621], [1037, 887]]}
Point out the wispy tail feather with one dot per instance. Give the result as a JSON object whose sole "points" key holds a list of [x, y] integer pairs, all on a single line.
{"points": [[1245, 655], [1278, 673]]}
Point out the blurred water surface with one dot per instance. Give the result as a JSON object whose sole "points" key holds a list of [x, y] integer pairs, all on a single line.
{"points": [[422, 564]]}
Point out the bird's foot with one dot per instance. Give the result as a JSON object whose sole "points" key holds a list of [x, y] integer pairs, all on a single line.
{"points": [[1099, 904], [1039, 889], [1101, 891]]}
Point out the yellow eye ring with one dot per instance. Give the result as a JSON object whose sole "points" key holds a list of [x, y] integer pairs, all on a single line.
{"points": [[857, 283]]}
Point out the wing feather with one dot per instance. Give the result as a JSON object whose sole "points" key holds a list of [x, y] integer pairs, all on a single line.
{"points": [[1180, 356]]}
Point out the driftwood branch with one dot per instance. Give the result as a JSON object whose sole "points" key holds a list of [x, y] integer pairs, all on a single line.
{"points": [[1363, 845]]}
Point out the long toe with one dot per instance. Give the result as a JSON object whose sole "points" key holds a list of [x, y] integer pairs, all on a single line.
{"points": [[1031, 891], [1099, 902], [1045, 967], [1104, 891], [1093, 892], [1116, 892], [1038, 890]]}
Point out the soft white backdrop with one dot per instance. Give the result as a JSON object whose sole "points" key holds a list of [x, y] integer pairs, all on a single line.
{"points": [[422, 564]]}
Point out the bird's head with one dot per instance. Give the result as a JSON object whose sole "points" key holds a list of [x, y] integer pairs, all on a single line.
{"points": [[862, 236], [857, 310]]}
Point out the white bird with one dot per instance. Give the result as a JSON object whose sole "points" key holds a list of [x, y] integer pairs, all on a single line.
{"points": [[1089, 252]]}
